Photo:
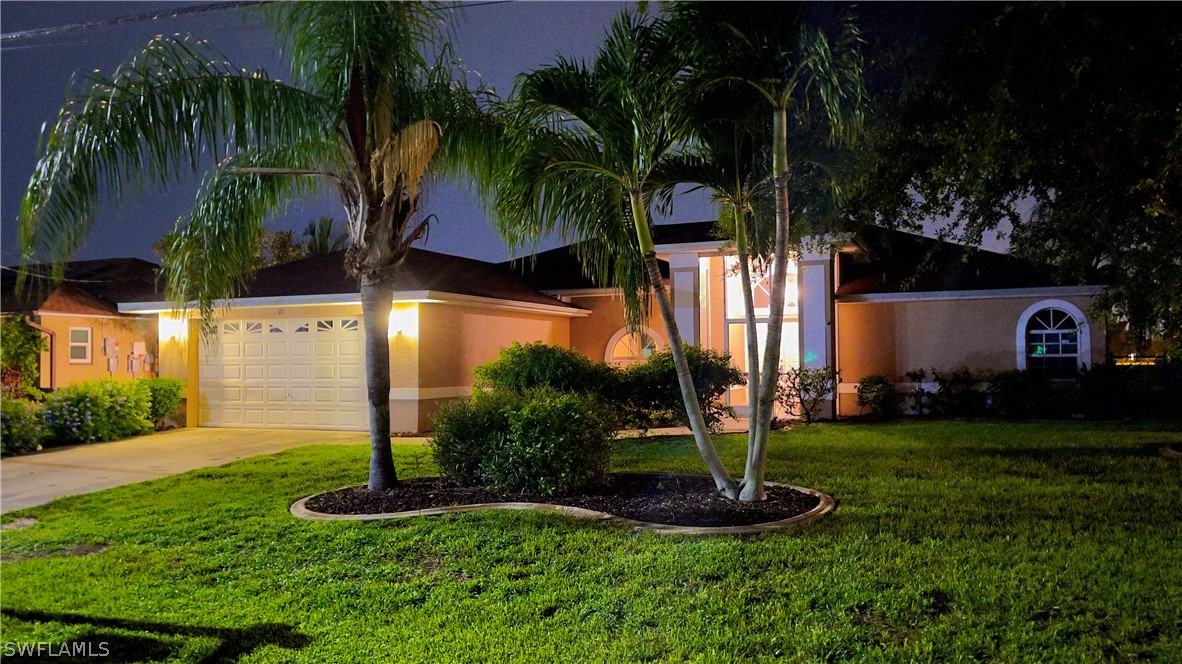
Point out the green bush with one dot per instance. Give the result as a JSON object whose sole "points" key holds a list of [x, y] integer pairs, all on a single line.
{"points": [[957, 394], [164, 397], [520, 368], [649, 394], [98, 410], [878, 394], [21, 426], [20, 359], [1018, 394], [802, 389], [543, 441]]}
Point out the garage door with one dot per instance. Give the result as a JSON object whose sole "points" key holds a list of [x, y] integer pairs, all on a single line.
{"points": [[286, 372]]}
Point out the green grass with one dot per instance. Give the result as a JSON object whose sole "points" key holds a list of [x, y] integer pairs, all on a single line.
{"points": [[963, 540]]}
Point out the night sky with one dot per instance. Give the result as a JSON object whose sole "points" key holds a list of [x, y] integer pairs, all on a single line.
{"points": [[495, 42]]}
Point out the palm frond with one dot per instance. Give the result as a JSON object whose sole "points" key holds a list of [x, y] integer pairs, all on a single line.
{"points": [[177, 103]]}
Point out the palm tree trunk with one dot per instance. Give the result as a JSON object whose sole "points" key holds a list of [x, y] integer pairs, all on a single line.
{"points": [[375, 314], [744, 252], [753, 481], [689, 395]]}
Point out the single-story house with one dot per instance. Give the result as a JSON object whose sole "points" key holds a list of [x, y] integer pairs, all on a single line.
{"points": [[289, 349], [87, 336]]}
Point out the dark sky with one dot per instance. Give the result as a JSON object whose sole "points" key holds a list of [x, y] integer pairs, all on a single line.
{"points": [[494, 41]]}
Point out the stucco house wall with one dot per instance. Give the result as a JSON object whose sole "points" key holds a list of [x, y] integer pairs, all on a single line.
{"points": [[892, 338], [590, 335], [125, 330]]}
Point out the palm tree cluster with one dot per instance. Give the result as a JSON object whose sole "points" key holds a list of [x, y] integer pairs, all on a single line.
{"points": [[744, 100]]}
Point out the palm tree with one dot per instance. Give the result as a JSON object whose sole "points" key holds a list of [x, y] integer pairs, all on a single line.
{"points": [[588, 148], [807, 70], [321, 238], [374, 108]]}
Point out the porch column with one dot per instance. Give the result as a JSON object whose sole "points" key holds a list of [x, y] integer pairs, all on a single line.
{"points": [[687, 301], [815, 307]]}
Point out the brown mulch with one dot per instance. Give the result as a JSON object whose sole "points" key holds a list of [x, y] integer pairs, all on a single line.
{"points": [[680, 500]]}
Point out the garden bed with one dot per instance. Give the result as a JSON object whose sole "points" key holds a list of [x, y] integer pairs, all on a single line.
{"points": [[660, 500]]}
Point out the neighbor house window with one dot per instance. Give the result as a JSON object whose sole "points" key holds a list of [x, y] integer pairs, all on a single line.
{"points": [[627, 348], [1052, 338], [79, 345]]}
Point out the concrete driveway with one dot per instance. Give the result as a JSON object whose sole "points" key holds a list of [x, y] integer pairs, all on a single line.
{"points": [[38, 478]]}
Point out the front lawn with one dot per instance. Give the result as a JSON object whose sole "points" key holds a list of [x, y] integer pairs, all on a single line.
{"points": [[963, 540]]}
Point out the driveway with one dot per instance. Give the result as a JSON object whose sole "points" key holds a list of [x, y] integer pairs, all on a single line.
{"points": [[38, 478]]}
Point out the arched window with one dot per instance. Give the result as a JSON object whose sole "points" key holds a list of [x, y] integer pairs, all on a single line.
{"points": [[1053, 339], [626, 348]]}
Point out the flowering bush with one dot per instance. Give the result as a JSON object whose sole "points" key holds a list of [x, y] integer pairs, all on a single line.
{"points": [[21, 426], [98, 410]]}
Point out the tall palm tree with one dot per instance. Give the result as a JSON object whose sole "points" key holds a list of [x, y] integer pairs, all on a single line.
{"points": [[588, 147], [321, 238], [374, 108], [807, 69]]}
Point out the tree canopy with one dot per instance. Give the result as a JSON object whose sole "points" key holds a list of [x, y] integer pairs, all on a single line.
{"points": [[1063, 121]]}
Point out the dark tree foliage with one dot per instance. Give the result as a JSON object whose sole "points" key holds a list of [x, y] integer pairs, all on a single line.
{"points": [[1064, 120]]}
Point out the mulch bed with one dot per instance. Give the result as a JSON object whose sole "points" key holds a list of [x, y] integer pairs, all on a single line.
{"points": [[679, 500]]}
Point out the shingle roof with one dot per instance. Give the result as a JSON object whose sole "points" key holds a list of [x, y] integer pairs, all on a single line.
{"points": [[90, 287], [557, 270], [421, 271], [891, 261]]}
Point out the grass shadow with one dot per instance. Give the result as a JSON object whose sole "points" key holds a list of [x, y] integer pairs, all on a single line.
{"points": [[233, 642]]}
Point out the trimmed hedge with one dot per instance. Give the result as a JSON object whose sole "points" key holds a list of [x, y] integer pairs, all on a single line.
{"points": [[22, 426], [520, 368], [98, 410], [651, 396], [540, 441], [878, 394], [164, 397]]}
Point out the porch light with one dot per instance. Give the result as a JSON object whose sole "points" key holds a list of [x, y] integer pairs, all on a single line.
{"points": [[404, 320], [171, 327]]}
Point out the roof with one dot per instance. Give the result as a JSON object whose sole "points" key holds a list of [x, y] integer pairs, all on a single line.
{"points": [[891, 261], [558, 270], [91, 287], [421, 271]]}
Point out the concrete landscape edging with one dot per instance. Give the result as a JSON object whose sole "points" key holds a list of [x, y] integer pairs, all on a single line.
{"points": [[826, 505], [1170, 452]]}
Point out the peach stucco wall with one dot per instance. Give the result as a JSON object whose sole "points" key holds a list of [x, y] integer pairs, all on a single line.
{"points": [[590, 335], [124, 329], [892, 338]]}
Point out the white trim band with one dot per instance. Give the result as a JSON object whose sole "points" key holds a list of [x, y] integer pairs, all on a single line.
{"points": [[995, 293]]}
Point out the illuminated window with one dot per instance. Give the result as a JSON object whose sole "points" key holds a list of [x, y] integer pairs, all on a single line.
{"points": [[1052, 343], [80, 345], [627, 348]]}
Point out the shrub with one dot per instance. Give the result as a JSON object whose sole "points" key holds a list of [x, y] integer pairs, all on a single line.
{"points": [[20, 358], [98, 410], [542, 441], [21, 426], [803, 388], [1017, 394], [878, 394], [957, 394], [920, 399], [520, 368], [164, 397], [650, 394]]}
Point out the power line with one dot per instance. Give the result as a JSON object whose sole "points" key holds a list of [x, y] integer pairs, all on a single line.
{"points": [[126, 20], [8, 38]]}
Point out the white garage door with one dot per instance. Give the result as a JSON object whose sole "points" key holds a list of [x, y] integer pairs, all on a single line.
{"points": [[285, 372]]}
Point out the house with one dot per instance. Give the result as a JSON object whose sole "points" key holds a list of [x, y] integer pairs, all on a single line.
{"points": [[289, 350], [87, 336]]}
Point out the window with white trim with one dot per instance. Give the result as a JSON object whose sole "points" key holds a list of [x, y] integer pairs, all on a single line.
{"points": [[1052, 343], [628, 348], [80, 345]]}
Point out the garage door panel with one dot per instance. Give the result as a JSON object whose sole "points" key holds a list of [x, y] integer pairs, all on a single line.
{"points": [[285, 372]]}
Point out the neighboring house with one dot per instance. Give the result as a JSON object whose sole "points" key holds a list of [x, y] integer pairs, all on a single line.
{"points": [[289, 351], [88, 337]]}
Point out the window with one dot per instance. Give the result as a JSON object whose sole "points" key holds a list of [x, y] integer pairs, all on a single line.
{"points": [[627, 348], [1052, 338], [1052, 344], [79, 345]]}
